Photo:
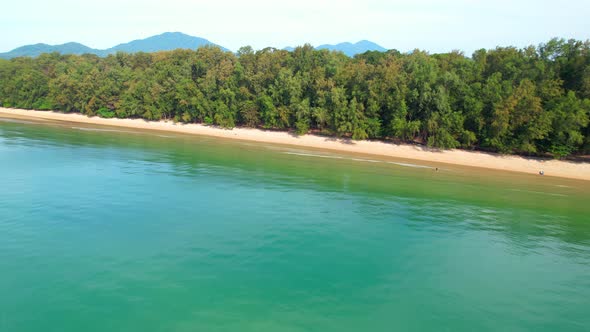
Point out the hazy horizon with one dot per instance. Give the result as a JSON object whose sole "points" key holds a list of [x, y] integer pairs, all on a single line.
{"points": [[404, 25]]}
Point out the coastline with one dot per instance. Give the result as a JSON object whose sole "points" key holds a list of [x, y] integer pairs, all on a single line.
{"points": [[557, 168]]}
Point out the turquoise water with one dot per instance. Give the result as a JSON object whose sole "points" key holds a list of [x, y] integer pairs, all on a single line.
{"points": [[115, 230]]}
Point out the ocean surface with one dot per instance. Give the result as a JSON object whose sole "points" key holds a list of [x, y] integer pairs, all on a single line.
{"points": [[109, 229]]}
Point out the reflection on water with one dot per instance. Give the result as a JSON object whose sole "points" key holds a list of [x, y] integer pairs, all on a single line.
{"points": [[103, 230]]}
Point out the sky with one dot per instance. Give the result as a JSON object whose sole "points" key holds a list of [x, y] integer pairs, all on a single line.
{"points": [[434, 26]]}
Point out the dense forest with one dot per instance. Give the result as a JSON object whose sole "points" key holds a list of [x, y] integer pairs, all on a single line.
{"points": [[533, 101]]}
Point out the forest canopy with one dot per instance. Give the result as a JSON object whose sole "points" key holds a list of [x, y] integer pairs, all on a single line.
{"points": [[532, 101]]}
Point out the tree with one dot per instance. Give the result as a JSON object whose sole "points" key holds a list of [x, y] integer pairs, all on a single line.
{"points": [[519, 121], [533, 100], [569, 115]]}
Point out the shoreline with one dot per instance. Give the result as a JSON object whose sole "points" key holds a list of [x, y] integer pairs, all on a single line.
{"points": [[556, 168]]}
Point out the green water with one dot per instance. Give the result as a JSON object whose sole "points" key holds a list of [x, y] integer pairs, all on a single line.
{"points": [[108, 230]]}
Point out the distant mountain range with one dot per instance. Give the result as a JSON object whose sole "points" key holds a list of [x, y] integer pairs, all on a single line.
{"points": [[352, 49], [165, 42], [349, 48]]}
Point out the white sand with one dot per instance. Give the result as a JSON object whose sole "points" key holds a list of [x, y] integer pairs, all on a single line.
{"points": [[457, 157]]}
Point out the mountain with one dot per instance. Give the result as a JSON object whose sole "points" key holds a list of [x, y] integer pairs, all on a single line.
{"points": [[38, 49], [164, 42], [348, 48], [353, 49]]}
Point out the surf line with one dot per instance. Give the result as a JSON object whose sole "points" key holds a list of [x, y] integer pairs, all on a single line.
{"points": [[356, 159]]}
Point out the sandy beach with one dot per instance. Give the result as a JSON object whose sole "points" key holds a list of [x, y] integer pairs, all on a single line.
{"points": [[556, 168]]}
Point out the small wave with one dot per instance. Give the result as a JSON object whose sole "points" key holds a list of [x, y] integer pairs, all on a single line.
{"points": [[331, 157], [104, 130], [356, 159], [313, 155], [538, 192], [366, 160], [410, 165], [17, 121], [488, 211]]}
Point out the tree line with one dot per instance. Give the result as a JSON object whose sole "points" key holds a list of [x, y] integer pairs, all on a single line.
{"points": [[532, 101]]}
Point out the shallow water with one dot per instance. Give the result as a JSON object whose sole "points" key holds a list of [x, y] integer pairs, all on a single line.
{"points": [[104, 229]]}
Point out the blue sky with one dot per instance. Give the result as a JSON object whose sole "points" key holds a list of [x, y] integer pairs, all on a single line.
{"points": [[435, 26]]}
